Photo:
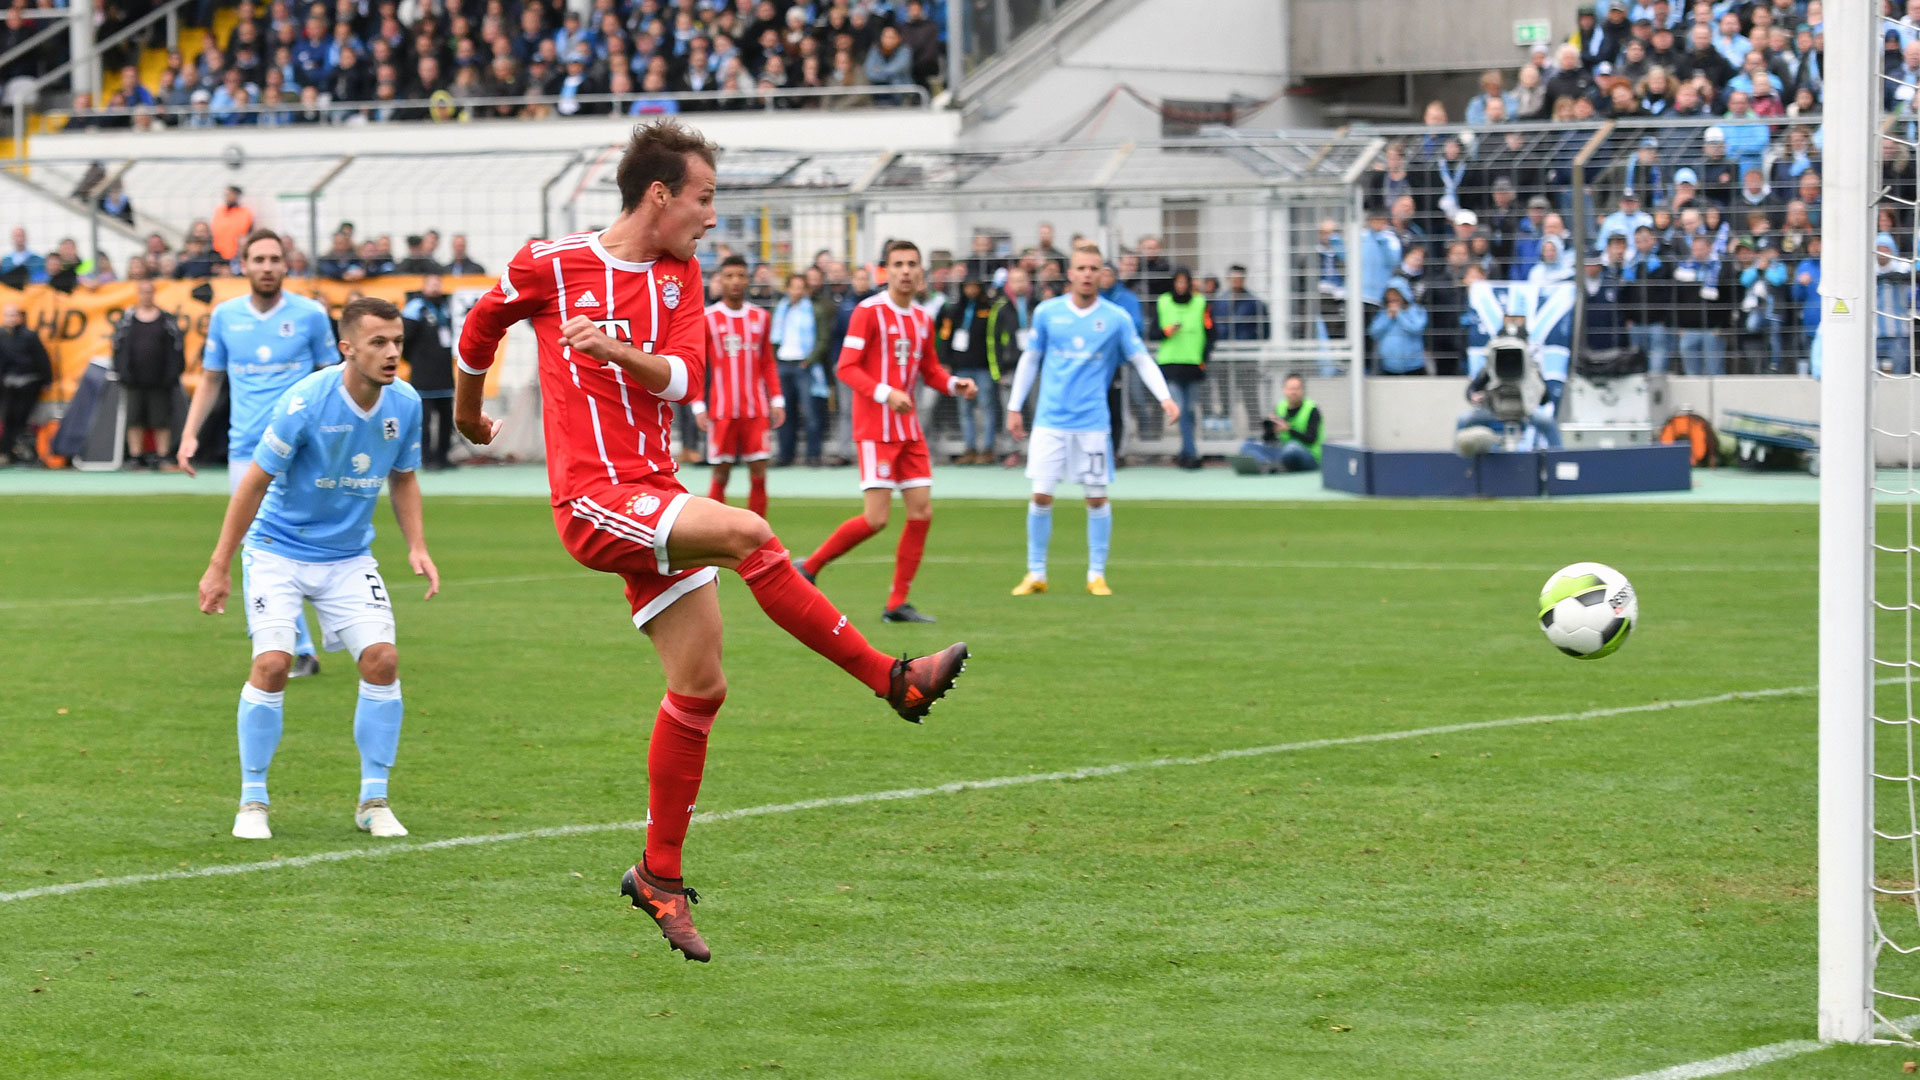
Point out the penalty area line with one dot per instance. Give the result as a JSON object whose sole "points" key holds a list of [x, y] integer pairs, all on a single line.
{"points": [[898, 794]]}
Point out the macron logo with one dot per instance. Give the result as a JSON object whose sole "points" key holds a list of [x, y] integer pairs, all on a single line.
{"points": [[586, 300]]}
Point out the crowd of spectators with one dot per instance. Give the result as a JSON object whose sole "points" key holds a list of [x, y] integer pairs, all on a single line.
{"points": [[208, 251], [290, 62], [1690, 251], [1701, 241]]}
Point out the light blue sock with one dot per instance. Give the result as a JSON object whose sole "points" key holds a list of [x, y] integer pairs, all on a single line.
{"points": [[1099, 539], [302, 637], [376, 731], [1039, 535], [261, 718]]}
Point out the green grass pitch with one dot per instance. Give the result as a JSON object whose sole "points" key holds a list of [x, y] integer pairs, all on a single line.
{"points": [[1586, 898]]}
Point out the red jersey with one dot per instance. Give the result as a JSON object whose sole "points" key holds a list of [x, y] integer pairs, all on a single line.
{"points": [[888, 348], [740, 363], [601, 426]]}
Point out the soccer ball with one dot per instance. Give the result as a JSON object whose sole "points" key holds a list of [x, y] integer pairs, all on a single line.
{"points": [[1587, 610]]}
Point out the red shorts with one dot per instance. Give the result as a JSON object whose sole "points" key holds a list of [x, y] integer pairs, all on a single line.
{"points": [[896, 465], [622, 529], [740, 439]]}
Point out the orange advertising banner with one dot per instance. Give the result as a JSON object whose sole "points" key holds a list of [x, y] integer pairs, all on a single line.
{"points": [[77, 327]]}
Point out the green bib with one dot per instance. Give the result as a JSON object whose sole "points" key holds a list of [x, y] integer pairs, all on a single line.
{"points": [[1190, 344]]}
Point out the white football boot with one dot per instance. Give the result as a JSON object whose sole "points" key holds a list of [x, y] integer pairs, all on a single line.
{"points": [[374, 817], [251, 822]]}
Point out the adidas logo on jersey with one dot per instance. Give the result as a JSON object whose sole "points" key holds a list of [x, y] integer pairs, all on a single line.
{"points": [[586, 300]]}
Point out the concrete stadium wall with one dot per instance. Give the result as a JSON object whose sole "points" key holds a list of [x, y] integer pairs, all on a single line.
{"points": [[1418, 413], [1216, 51], [1388, 37]]}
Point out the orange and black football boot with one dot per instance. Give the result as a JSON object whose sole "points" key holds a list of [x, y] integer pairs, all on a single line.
{"points": [[917, 683], [671, 908]]}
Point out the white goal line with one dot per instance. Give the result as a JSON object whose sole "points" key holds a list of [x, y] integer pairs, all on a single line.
{"points": [[1742, 1060], [956, 787]]}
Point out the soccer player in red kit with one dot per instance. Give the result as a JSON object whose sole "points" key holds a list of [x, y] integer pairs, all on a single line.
{"points": [[743, 399], [889, 348], [619, 322]]}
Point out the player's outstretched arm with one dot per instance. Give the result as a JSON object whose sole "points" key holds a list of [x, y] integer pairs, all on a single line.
{"points": [[469, 391], [204, 397], [516, 296], [403, 490], [217, 582]]}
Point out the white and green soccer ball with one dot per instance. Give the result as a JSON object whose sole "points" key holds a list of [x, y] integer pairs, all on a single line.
{"points": [[1587, 610]]}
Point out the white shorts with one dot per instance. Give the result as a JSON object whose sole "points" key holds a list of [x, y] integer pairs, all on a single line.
{"points": [[349, 594], [1075, 457]]}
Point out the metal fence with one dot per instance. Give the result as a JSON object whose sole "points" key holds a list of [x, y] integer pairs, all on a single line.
{"points": [[1695, 241], [1259, 224]]}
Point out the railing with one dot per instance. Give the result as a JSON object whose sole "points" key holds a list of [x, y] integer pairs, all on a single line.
{"points": [[980, 30], [449, 109], [169, 11], [46, 34]]}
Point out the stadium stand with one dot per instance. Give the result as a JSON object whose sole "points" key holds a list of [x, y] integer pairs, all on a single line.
{"points": [[1666, 160]]}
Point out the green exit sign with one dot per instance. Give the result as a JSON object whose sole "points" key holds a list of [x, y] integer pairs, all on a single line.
{"points": [[1530, 32]]}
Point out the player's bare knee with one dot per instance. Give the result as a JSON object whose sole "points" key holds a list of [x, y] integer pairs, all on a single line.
{"points": [[380, 664], [920, 513], [748, 532], [1042, 500], [1095, 502], [270, 671], [877, 520], [713, 688]]}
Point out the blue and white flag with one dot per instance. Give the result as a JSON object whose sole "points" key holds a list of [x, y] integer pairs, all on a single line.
{"points": [[1549, 313]]}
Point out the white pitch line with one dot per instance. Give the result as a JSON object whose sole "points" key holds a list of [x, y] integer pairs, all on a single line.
{"points": [[981, 560], [953, 788], [1732, 1063], [1742, 1060]]}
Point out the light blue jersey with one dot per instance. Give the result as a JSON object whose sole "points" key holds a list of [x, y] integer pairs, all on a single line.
{"points": [[329, 460], [263, 355], [1079, 351]]}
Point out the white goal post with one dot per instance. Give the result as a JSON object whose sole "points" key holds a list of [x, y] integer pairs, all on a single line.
{"points": [[1852, 1005]]}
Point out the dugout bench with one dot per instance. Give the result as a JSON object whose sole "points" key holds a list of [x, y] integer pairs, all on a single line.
{"points": [[1763, 441]]}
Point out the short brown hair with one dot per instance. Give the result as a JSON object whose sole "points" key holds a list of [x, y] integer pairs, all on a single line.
{"points": [[258, 235], [1089, 247], [365, 307], [886, 255], [658, 152]]}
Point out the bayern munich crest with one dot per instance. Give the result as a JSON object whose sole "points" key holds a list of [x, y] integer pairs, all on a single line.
{"points": [[642, 506], [670, 292]]}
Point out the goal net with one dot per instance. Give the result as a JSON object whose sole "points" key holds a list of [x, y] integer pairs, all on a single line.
{"points": [[1869, 773]]}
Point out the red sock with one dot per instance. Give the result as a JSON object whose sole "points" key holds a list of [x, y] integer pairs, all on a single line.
{"points": [[844, 539], [676, 756], [717, 489], [757, 497], [906, 559], [797, 607]]}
